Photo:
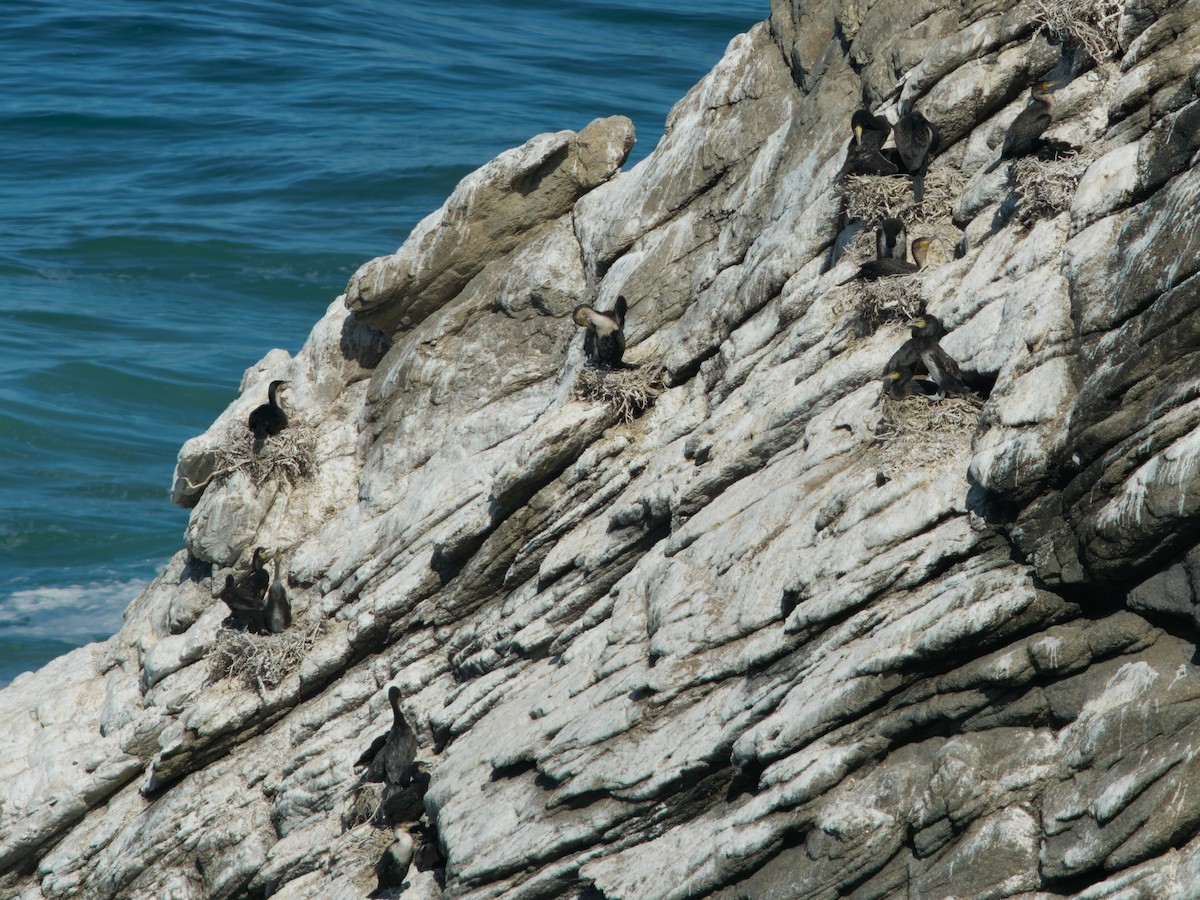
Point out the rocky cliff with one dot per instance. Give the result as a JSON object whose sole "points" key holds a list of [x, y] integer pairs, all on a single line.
{"points": [[773, 637]]}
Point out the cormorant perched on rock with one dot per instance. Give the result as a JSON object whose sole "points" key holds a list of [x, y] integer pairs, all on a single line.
{"points": [[881, 268], [269, 418], [900, 383], [390, 756], [259, 579], [392, 867], [278, 611], [865, 156], [924, 350], [891, 240], [1026, 129], [604, 341], [244, 605], [917, 139]]}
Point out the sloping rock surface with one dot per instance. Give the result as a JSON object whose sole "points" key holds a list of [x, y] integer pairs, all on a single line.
{"points": [[749, 644]]}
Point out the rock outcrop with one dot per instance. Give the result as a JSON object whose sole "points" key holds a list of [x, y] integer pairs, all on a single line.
{"points": [[751, 644]]}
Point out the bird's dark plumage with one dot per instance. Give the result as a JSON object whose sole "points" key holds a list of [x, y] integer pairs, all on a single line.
{"points": [[244, 605], [390, 757], [604, 340], [278, 611], [917, 139], [393, 865], [891, 240], [899, 383], [869, 131], [882, 268], [1024, 134], [923, 353], [269, 418], [259, 579]]}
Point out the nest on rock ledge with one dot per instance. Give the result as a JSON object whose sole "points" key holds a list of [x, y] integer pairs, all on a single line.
{"points": [[630, 392], [260, 661], [1046, 187], [914, 429], [875, 303], [1093, 25], [289, 456], [874, 198]]}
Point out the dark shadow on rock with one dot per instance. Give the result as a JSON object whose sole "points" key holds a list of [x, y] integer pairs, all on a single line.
{"points": [[362, 343]]}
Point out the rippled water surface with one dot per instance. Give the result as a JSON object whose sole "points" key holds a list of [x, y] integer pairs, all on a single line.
{"points": [[183, 189]]}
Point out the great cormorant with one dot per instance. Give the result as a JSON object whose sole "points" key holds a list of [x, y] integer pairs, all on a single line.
{"points": [[900, 383], [244, 605], [278, 611], [881, 268], [917, 139], [259, 578], [864, 155], [604, 341], [923, 351], [390, 757], [1024, 133], [268, 419], [891, 240]]}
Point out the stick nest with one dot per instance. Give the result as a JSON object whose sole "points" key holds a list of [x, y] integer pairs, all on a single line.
{"points": [[876, 197], [875, 303], [1046, 187], [288, 456], [913, 430], [260, 661], [630, 392], [1092, 25]]}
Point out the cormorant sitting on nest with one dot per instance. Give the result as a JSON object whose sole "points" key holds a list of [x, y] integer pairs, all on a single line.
{"points": [[278, 611], [865, 154], [881, 268], [604, 342], [267, 419], [244, 606], [917, 139], [390, 756], [891, 240], [1025, 132], [392, 868], [923, 350], [900, 383]]}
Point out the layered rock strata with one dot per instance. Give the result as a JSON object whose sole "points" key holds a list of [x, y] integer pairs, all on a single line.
{"points": [[744, 645]]}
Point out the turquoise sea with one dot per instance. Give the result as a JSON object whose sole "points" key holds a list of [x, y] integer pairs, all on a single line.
{"points": [[182, 189]]}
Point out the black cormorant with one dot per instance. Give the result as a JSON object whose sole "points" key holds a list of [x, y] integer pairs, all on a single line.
{"points": [[917, 139], [1026, 129], [604, 341], [881, 268], [278, 611], [891, 240], [269, 418], [923, 350], [258, 579], [864, 155], [244, 606], [390, 756], [392, 868], [900, 383]]}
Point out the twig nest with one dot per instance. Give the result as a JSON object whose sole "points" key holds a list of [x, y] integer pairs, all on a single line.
{"points": [[1046, 187], [630, 392], [288, 456], [260, 661], [914, 430]]}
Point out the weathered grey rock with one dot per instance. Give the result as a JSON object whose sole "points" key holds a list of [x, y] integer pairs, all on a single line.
{"points": [[744, 645]]}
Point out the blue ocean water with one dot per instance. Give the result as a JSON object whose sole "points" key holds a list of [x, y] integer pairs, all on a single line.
{"points": [[183, 189]]}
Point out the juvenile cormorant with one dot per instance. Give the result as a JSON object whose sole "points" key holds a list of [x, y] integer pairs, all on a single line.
{"points": [[278, 611], [923, 350], [891, 240], [244, 606], [917, 139], [390, 756], [1026, 129], [269, 418], [392, 868], [604, 341], [900, 383], [258, 579], [881, 268]]}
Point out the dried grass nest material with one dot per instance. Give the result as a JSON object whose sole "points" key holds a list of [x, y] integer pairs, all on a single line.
{"points": [[630, 392], [289, 455], [1093, 25], [260, 661], [1046, 187], [914, 430], [877, 197], [875, 303]]}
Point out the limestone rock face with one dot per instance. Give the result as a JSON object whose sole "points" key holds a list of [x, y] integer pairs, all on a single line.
{"points": [[766, 639]]}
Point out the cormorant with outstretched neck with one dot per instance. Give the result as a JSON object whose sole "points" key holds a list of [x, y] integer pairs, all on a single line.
{"points": [[1024, 133], [278, 611], [917, 139], [924, 350], [244, 605], [881, 268], [604, 341], [390, 756], [269, 418], [891, 240]]}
